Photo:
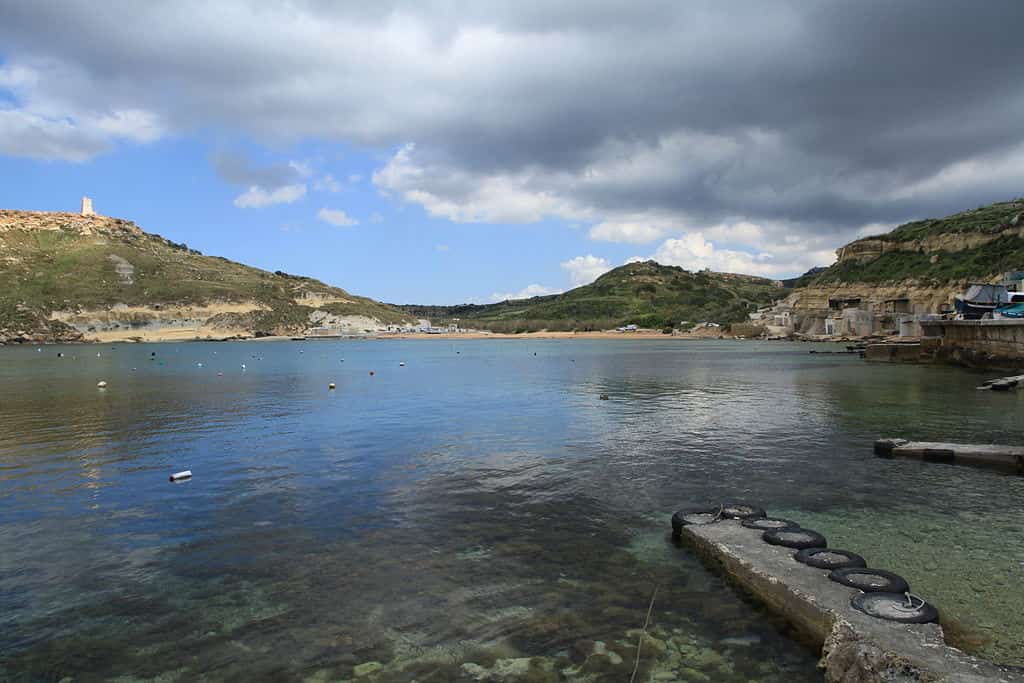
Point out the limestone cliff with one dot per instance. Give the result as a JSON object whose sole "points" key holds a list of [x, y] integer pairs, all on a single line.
{"points": [[69, 277], [919, 267]]}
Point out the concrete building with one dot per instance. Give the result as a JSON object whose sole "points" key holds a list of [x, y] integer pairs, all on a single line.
{"points": [[87, 207]]}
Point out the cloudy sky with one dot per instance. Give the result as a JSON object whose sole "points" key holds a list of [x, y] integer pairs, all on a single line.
{"points": [[439, 152]]}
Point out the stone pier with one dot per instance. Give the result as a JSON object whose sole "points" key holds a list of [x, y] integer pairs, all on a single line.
{"points": [[855, 648]]}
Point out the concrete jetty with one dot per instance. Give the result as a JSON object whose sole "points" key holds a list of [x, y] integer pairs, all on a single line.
{"points": [[1003, 383], [1005, 458], [855, 648]]}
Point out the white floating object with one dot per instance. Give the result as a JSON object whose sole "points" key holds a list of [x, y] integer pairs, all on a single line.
{"points": [[243, 366], [199, 365], [97, 354], [401, 364], [179, 476], [101, 384], [331, 385]]}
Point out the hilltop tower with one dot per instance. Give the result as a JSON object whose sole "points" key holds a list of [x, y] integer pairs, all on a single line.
{"points": [[87, 207]]}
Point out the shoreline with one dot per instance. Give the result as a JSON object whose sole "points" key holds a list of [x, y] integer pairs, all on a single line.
{"points": [[445, 336], [646, 335]]}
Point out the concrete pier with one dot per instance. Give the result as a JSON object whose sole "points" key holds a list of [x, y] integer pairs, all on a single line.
{"points": [[855, 648], [978, 343], [1004, 458]]}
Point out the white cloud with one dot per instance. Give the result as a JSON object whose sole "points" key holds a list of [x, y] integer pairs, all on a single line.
{"points": [[44, 125], [627, 231], [355, 177], [257, 197], [585, 269], [525, 293], [465, 197], [336, 217], [693, 251], [302, 168], [375, 217], [327, 184]]}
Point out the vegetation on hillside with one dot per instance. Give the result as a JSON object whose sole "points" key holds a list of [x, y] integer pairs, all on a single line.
{"points": [[984, 219], [937, 266], [48, 270], [646, 294], [979, 263]]}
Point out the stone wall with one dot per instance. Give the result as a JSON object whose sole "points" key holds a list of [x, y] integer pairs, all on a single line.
{"points": [[979, 343]]}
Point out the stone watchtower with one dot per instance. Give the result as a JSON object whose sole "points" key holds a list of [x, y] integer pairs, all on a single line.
{"points": [[87, 207]]}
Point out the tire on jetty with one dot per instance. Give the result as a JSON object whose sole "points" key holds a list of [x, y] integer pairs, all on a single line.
{"points": [[798, 539], [742, 511], [828, 558], [694, 515], [870, 580], [899, 607], [769, 523]]}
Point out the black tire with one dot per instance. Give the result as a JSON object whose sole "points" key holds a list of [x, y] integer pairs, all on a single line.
{"points": [[742, 511], [684, 517], [797, 539], [870, 580], [891, 607], [769, 523], [827, 558]]}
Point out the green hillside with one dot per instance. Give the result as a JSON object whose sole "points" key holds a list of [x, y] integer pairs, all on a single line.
{"points": [[646, 294], [53, 261], [979, 244]]}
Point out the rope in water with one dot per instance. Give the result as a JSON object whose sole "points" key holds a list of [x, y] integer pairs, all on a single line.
{"points": [[910, 606], [643, 632]]}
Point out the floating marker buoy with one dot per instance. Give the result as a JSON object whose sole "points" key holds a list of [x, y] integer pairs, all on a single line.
{"points": [[97, 354], [179, 476], [331, 385], [603, 397], [101, 384], [199, 365], [152, 353], [220, 374], [134, 369], [371, 373], [60, 355], [243, 366], [401, 364]]}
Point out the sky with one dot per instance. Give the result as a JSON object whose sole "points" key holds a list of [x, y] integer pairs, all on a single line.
{"points": [[440, 152]]}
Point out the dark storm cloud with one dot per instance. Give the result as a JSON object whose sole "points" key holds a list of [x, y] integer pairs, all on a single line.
{"points": [[825, 115], [237, 169]]}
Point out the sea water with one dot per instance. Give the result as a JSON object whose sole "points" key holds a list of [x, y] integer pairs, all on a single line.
{"points": [[476, 514]]}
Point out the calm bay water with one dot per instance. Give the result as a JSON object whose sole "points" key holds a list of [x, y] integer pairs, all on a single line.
{"points": [[478, 512]]}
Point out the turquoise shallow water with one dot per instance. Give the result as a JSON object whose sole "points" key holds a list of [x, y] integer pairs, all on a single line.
{"points": [[478, 512]]}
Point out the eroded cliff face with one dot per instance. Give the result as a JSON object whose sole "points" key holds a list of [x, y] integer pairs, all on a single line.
{"points": [[925, 263]]}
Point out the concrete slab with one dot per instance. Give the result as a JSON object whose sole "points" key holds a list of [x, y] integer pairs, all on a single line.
{"points": [[855, 647], [991, 456]]}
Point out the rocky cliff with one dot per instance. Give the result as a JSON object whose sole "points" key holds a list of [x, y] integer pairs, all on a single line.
{"points": [[926, 263], [68, 277]]}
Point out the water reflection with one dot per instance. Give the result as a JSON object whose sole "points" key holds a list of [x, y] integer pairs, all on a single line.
{"points": [[478, 506]]}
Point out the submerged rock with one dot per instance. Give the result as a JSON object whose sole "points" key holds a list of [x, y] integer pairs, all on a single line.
{"points": [[366, 668]]}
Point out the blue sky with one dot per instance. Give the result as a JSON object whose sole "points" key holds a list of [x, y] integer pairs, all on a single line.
{"points": [[396, 251], [448, 151]]}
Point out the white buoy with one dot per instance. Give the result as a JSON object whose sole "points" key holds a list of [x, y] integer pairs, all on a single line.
{"points": [[97, 354], [243, 366], [199, 365], [101, 384], [331, 385], [401, 364], [179, 476]]}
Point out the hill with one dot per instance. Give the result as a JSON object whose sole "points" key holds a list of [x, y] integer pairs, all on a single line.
{"points": [[65, 276], [646, 294], [979, 244]]}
